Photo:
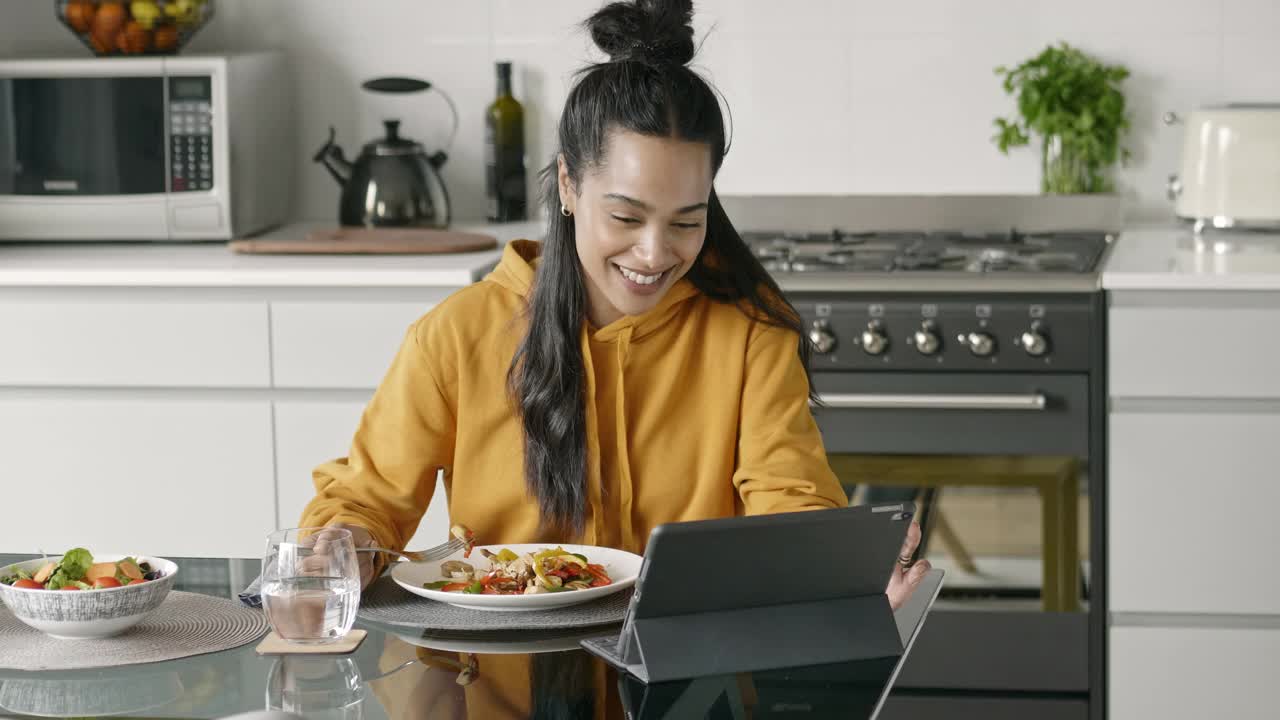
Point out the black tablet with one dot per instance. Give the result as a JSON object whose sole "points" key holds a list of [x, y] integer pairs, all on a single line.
{"points": [[767, 591]]}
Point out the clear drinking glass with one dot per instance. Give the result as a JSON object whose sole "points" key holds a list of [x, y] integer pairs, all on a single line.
{"points": [[311, 584]]}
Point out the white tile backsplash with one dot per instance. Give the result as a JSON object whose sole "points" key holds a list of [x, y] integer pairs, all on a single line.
{"points": [[1251, 67], [923, 107], [827, 96], [1260, 17]]}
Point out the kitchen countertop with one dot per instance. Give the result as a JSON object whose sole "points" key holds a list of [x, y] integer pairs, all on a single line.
{"points": [[146, 264], [1164, 258]]}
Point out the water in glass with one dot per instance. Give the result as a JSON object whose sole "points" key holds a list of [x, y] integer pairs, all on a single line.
{"points": [[311, 584]]}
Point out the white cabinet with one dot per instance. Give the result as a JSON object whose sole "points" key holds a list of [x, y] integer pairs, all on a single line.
{"points": [[1192, 489], [310, 432], [1229, 350], [167, 477], [339, 344], [1186, 673], [1191, 513], [134, 342]]}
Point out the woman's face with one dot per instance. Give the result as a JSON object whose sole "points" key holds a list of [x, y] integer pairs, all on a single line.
{"points": [[639, 220]]}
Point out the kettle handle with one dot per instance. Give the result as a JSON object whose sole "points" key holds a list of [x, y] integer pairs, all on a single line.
{"points": [[409, 85], [396, 85]]}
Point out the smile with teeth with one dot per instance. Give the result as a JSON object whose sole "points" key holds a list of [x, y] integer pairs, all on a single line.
{"points": [[639, 279]]}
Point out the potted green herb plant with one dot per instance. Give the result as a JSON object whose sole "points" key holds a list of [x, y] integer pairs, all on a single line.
{"points": [[1074, 104]]}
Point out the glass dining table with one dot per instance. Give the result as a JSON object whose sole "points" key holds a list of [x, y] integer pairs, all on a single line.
{"points": [[401, 673]]}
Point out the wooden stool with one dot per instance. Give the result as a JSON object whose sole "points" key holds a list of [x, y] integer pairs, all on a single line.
{"points": [[1054, 477]]}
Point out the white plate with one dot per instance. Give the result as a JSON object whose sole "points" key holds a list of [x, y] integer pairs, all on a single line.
{"points": [[508, 643], [623, 568]]}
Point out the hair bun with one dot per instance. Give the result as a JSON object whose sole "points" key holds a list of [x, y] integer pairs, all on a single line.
{"points": [[650, 31]]}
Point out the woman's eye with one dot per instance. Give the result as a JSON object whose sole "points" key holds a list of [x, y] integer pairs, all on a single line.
{"points": [[688, 226], [627, 220]]}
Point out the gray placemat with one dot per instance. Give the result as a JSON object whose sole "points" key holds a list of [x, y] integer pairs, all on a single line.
{"points": [[387, 603], [185, 624]]}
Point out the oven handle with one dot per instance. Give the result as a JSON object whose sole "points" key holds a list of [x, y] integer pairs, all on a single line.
{"points": [[877, 401]]}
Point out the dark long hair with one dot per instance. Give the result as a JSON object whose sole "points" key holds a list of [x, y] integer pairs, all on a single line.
{"points": [[644, 88]]}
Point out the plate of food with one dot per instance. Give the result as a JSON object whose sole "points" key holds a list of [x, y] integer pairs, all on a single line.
{"points": [[519, 577]]}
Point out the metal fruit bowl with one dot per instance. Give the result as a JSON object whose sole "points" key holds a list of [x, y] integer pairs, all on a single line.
{"points": [[134, 27]]}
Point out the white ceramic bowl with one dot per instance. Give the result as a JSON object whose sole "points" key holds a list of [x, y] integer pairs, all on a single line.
{"points": [[85, 614]]}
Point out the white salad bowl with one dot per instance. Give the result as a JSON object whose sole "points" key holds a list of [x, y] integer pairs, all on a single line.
{"points": [[87, 614]]}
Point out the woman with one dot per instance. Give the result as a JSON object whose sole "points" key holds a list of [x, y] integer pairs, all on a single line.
{"points": [[643, 359]]}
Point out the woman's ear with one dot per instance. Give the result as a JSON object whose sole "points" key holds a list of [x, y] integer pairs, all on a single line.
{"points": [[564, 183]]}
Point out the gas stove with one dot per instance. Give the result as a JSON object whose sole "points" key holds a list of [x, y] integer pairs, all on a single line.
{"points": [[938, 332], [932, 260]]}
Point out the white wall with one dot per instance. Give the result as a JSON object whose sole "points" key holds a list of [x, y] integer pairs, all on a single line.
{"points": [[828, 96]]}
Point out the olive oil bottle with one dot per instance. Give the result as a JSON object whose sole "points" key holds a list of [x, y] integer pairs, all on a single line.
{"points": [[504, 153]]}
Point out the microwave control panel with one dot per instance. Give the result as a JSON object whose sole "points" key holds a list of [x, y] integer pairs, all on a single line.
{"points": [[190, 134]]}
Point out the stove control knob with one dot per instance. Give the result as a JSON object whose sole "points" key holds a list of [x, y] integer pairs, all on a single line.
{"points": [[1035, 341], [927, 340], [820, 335], [874, 341], [979, 343]]}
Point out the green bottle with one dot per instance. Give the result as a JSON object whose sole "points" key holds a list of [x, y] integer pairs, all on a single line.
{"points": [[504, 178]]}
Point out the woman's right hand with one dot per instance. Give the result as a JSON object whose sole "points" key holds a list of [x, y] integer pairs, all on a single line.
{"points": [[362, 538]]}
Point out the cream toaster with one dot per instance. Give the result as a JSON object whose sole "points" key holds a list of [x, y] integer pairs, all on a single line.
{"points": [[1230, 170]]}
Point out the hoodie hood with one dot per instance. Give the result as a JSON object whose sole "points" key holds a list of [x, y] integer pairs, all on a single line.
{"points": [[518, 268]]}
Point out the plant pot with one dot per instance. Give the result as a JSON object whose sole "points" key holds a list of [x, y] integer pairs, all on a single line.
{"points": [[1066, 170]]}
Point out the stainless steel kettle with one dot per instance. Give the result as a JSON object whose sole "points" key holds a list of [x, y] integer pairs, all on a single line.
{"points": [[393, 182]]}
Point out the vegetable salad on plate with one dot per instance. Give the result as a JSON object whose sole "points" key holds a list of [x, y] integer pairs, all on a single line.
{"points": [[76, 570], [551, 570]]}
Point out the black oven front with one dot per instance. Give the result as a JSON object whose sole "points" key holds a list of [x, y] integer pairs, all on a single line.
{"points": [[989, 411]]}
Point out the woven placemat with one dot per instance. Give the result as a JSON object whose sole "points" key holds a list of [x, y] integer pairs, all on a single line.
{"points": [[387, 603], [185, 624]]}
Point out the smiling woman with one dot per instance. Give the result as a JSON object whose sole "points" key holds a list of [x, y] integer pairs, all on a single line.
{"points": [[654, 371]]}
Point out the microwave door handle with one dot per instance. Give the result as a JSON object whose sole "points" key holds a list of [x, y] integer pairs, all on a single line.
{"points": [[889, 401]]}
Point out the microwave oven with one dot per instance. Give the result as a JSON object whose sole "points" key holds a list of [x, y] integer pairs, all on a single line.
{"points": [[145, 148]]}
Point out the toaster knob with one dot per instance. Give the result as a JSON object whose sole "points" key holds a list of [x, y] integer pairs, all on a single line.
{"points": [[874, 341], [820, 335], [927, 341], [979, 343], [1174, 187]]}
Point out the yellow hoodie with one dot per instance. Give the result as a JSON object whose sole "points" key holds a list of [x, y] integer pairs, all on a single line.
{"points": [[694, 411]]}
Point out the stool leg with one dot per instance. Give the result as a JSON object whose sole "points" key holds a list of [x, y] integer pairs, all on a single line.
{"points": [[1070, 558], [1050, 534], [957, 550]]}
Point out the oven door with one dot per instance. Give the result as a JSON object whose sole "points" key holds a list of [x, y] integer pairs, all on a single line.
{"points": [[999, 464]]}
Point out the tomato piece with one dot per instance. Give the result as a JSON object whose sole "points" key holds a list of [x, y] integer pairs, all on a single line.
{"points": [[454, 587], [601, 577], [105, 582], [135, 582], [28, 584], [69, 587]]}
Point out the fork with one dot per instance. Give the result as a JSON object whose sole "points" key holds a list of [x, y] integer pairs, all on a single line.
{"points": [[439, 552]]}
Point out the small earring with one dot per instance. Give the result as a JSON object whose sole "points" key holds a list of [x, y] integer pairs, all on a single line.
{"points": [[565, 211]]}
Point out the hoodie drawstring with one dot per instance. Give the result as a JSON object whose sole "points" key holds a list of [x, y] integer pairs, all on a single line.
{"points": [[620, 435]]}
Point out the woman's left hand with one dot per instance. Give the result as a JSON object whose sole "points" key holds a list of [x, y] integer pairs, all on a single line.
{"points": [[906, 578]]}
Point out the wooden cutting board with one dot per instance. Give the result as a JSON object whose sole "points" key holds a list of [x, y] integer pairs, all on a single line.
{"points": [[369, 241]]}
